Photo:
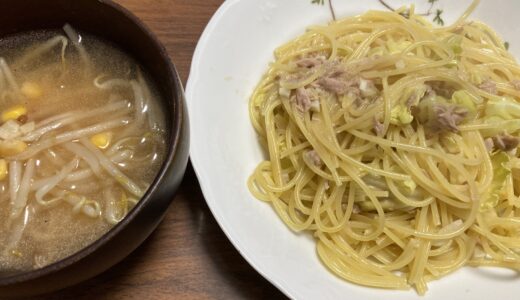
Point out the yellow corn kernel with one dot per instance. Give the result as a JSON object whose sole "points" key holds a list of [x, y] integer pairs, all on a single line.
{"points": [[102, 140], [3, 169], [14, 113], [31, 90], [11, 147]]}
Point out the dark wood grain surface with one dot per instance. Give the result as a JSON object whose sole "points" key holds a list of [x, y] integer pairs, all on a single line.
{"points": [[188, 256]]}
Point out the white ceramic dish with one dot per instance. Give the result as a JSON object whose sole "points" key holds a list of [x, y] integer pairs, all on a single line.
{"points": [[232, 54]]}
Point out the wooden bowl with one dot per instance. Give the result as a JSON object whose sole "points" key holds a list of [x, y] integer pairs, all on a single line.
{"points": [[112, 22]]}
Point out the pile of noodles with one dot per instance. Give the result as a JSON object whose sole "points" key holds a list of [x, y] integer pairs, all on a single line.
{"points": [[394, 142]]}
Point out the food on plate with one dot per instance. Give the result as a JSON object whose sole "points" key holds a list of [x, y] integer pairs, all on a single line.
{"points": [[81, 140], [394, 142]]}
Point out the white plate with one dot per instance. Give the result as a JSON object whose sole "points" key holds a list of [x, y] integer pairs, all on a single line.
{"points": [[232, 54]]}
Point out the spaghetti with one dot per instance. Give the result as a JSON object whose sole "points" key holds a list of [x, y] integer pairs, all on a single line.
{"points": [[395, 143]]}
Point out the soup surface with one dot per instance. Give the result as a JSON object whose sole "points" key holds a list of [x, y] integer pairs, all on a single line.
{"points": [[81, 140]]}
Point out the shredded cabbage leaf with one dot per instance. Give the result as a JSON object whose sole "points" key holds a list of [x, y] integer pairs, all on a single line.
{"points": [[400, 115], [504, 114], [496, 191], [466, 100]]}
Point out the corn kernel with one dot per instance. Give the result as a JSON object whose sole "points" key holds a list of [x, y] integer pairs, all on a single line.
{"points": [[14, 113], [3, 169], [102, 140], [11, 147], [16, 253], [31, 90]]}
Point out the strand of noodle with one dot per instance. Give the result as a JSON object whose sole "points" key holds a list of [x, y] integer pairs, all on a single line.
{"points": [[331, 39], [367, 264], [380, 213], [318, 198], [494, 238], [402, 198], [426, 183], [272, 143], [294, 149], [271, 186], [453, 160], [460, 20], [306, 80], [256, 188], [422, 254], [436, 236], [510, 255], [436, 219], [353, 272], [295, 204], [338, 224], [446, 266], [387, 107], [355, 162], [281, 209], [494, 263], [442, 249], [405, 258], [354, 123], [440, 177], [362, 48]]}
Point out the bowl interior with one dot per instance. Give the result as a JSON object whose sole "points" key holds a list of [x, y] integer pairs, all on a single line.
{"points": [[113, 23]]}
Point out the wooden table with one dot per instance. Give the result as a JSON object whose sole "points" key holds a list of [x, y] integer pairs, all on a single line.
{"points": [[188, 256]]}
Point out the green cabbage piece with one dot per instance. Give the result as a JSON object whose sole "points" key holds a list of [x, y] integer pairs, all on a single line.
{"points": [[400, 115], [462, 98], [466, 100], [507, 126], [504, 113], [425, 112], [496, 190], [506, 108], [410, 186], [412, 95]]}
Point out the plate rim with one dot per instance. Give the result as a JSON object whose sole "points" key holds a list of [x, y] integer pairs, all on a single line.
{"points": [[196, 69], [208, 197]]}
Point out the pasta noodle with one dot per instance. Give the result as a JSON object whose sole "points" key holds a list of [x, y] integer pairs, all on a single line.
{"points": [[394, 143]]}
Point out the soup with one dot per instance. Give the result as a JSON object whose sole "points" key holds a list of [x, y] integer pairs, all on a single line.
{"points": [[81, 140]]}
